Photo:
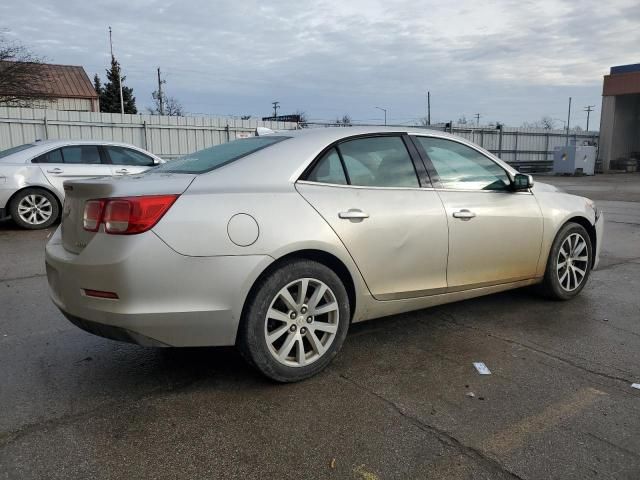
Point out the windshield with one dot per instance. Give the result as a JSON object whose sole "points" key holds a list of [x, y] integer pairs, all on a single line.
{"points": [[19, 148], [215, 157]]}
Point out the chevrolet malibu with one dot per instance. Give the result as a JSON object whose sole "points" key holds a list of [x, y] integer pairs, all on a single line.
{"points": [[277, 243]]}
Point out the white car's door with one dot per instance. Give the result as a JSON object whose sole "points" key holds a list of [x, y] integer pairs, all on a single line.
{"points": [[71, 163], [495, 233], [367, 189], [127, 161]]}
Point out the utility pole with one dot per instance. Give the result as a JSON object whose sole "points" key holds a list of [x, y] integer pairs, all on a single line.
{"points": [[160, 97], [428, 108], [477, 115], [385, 114], [588, 109], [119, 74], [568, 120], [276, 106]]}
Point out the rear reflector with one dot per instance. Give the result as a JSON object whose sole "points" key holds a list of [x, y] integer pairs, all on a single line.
{"points": [[100, 294], [126, 215]]}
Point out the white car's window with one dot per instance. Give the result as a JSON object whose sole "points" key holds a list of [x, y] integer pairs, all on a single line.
{"points": [[328, 169], [81, 154], [462, 167], [127, 156], [54, 156], [378, 162]]}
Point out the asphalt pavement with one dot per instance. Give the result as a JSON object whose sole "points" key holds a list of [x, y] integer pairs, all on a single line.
{"points": [[401, 400]]}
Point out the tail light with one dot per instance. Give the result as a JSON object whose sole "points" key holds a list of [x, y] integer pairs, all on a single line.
{"points": [[126, 215]]}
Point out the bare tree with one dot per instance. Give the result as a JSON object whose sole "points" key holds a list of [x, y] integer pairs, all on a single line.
{"points": [[23, 80], [170, 105], [462, 120], [545, 122], [345, 121], [245, 117]]}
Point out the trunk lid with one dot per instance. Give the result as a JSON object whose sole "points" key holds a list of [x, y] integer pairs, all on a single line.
{"points": [[74, 237]]}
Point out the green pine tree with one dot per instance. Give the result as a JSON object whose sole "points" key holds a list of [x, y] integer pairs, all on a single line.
{"points": [[110, 92], [97, 85]]}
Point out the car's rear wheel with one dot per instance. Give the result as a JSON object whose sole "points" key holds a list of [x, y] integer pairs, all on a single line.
{"points": [[569, 263], [295, 321], [34, 208]]}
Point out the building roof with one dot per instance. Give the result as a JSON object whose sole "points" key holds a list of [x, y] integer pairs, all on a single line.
{"points": [[65, 81]]}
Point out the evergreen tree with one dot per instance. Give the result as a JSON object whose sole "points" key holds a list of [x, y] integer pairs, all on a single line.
{"points": [[110, 93], [97, 85]]}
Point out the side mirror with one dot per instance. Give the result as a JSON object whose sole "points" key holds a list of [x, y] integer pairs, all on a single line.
{"points": [[522, 181]]}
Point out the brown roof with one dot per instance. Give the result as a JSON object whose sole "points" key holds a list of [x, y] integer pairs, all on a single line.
{"points": [[66, 81]]}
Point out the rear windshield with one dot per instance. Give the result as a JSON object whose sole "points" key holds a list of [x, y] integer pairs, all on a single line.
{"points": [[215, 157], [19, 148]]}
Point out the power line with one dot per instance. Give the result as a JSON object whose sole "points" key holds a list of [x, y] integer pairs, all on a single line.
{"points": [[276, 106]]}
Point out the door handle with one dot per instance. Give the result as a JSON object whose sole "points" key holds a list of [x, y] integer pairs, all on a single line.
{"points": [[353, 214], [464, 214], [55, 170], [122, 171]]}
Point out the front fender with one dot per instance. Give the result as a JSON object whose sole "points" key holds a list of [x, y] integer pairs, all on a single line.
{"points": [[557, 209]]}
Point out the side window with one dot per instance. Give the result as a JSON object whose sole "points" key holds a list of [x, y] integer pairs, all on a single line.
{"points": [[378, 162], [127, 156], [86, 154], [54, 156], [462, 167], [328, 169]]}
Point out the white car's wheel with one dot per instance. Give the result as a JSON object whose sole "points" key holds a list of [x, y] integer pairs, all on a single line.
{"points": [[295, 321], [34, 208]]}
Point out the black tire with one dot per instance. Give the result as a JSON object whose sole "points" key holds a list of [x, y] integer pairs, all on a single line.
{"points": [[39, 193], [252, 339], [551, 285]]}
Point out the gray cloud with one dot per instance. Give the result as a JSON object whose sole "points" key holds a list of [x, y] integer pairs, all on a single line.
{"points": [[509, 60]]}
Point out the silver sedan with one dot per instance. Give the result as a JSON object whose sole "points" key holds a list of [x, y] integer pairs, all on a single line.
{"points": [[277, 243], [31, 175]]}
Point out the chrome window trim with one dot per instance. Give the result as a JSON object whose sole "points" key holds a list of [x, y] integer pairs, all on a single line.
{"points": [[307, 182]]}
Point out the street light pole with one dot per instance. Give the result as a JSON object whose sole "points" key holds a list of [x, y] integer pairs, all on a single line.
{"points": [[385, 114]]}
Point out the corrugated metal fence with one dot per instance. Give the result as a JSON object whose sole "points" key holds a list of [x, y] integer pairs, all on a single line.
{"points": [[524, 148], [528, 149], [167, 137]]}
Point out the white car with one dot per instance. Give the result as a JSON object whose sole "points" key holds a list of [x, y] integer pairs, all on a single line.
{"points": [[31, 175]]}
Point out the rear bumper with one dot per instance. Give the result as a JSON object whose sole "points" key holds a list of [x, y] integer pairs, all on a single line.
{"points": [[164, 298]]}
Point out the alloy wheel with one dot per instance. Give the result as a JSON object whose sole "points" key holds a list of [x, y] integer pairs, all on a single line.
{"points": [[572, 262], [35, 209], [301, 322]]}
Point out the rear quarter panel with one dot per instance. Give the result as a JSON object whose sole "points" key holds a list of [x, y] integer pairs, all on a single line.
{"points": [[197, 225], [14, 177]]}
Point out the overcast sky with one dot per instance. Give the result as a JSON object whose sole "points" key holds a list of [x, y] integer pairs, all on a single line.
{"points": [[510, 61]]}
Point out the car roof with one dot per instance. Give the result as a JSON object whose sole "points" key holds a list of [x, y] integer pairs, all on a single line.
{"points": [[283, 162]]}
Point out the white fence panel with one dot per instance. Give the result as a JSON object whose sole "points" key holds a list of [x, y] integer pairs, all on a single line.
{"points": [[167, 137]]}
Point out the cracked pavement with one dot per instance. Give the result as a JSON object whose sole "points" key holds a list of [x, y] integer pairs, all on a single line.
{"points": [[394, 404]]}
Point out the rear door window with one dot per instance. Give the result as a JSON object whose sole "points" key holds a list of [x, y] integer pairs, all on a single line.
{"points": [[54, 156], [378, 162], [328, 170], [81, 154]]}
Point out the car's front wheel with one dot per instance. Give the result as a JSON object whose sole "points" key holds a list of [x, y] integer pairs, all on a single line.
{"points": [[569, 263], [295, 321], [34, 208]]}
